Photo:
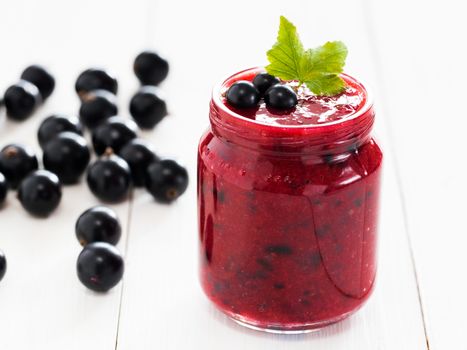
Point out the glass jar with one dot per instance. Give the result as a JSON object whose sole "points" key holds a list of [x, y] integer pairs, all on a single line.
{"points": [[288, 216]]}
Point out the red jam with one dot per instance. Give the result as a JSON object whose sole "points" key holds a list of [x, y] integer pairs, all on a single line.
{"points": [[288, 208]]}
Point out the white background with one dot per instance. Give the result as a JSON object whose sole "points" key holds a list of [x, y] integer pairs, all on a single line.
{"points": [[413, 54]]}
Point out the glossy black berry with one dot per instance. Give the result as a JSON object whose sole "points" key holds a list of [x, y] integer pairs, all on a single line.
{"points": [[40, 77], [98, 224], [139, 155], [16, 162], [166, 180], [150, 68], [243, 94], [3, 189], [280, 97], [54, 125], [109, 178], [67, 155], [147, 107], [40, 193], [95, 79], [96, 107], [21, 100], [114, 133], [263, 81], [100, 266], [2, 265]]}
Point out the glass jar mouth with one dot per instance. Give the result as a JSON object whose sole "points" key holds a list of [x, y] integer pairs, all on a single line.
{"points": [[217, 94]]}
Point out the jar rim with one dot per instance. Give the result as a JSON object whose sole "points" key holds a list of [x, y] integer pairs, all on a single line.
{"points": [[217, 100]]}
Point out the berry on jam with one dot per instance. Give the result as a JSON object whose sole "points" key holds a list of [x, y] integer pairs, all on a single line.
{"points": [[2, 265], [16, 162], [243, 94], [41, 78], [263, 81], [166, 180], [150, 68], [100, 266], [67, 155], [109, 178], [54, 125], [21, 100], [3, 189], [98, 224], [139, 155], [147, 107], [114, 133], [280, 97], [96, 107], [95, 79], [40, 193]]}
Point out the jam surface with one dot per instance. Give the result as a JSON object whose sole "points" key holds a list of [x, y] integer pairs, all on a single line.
{"points": [[288, 243]]}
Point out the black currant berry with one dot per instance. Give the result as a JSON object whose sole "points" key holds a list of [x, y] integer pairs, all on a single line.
{"points": [[280, 97], [21, 100], [243, 94], [150, 68], [40, 193], [147, 107], [100, 266], [139, 155], [67, 155], [16, 162], [3, 189], [54, 125], [263, 81], [166, 180], [109, 178], [96, 107], [95, 79], [98, 224], [40, 77], [114, 133], [2, 265]]}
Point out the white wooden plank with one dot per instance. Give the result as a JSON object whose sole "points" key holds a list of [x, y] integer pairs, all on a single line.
{"points": [[163, 305], [42, 303], [419, 48]]}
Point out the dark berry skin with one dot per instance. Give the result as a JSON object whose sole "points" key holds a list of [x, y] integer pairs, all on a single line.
{"points": [[263, 81], [3, 189], [109, 178], [243, 94], [280, 97], [67, 155], [54, 125], [166, 180], [16, 162], [139, 155], [2, 265], [21, 100], [98, 224], [40, 193], [150, 68], [114, 133], [100, 266], [40, 77], [96, 107], [147, 107], [95, 79]]}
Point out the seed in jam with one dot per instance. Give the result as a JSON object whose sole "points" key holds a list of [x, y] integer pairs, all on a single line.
{"points": [[281, 97], [243, 94]]}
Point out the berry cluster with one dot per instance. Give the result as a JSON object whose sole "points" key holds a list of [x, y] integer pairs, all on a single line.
{"points": [[246, 94], [124, 160], [100, 265]]}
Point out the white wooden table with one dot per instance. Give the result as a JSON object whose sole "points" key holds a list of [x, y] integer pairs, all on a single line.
{"points": [[412, 53]]}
